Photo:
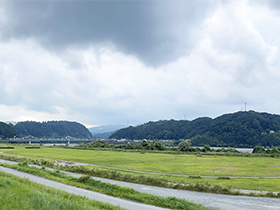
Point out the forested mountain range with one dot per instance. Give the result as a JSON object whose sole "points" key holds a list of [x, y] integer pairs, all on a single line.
{"points": [[240, 129], [50, 129]]}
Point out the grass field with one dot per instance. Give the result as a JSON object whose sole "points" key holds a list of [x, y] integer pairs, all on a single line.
{"points": [[18, 193], [175, 164], [163, 163]]}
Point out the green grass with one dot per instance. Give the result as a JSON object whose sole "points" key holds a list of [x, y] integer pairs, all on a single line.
{"points": [[163, 163], [174, 164], [159, 180], [18, 193], [111, 189]]}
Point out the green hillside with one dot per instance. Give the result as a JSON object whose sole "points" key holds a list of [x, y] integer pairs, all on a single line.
{"points": [[240, 129], [52, 129], [6, 131]]}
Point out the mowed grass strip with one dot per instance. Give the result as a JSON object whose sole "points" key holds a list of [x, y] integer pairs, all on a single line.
{"points": [[18, 193], [163, 163]]}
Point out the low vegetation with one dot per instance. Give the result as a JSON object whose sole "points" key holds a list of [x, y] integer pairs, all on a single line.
{"points": [[192, 182], [110, 189], [3, 148], [156, 146], [184, 146], [32, 147], [180, 163], [18, 193], [274, 151]]}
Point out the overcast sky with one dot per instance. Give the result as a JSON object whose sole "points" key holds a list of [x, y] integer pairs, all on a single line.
{"points": [[129, 62]]}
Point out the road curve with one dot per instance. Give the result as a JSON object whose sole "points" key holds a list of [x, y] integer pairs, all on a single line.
{"points": [[225, 202], [82, 192]]}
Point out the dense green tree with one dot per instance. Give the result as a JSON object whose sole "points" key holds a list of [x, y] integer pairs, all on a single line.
{"points": [[185, 145], [144, 144], [156, 145], [98, 144], [206, 148], [259, 149]]}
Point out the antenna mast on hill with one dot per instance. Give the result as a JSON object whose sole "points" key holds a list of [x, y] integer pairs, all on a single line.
{"points": [[245, 107]]}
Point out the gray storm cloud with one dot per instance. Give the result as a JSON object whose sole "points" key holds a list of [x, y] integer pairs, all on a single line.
{"points": [[104, 62], [156, 33]]}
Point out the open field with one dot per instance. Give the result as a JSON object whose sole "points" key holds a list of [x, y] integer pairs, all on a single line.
{"points": [[162, 163], [174, 164], [18, 193]]}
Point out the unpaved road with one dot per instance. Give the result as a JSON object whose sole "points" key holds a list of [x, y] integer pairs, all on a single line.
{"points": [[226, 202]]}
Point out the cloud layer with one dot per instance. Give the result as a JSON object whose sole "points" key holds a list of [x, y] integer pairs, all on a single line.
{"points": [[115, 62]]}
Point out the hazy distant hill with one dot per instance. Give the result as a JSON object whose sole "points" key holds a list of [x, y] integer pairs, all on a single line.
{"points": [[103, 135], [54, 129], [6, 131], [104, 131], [240, 129]]}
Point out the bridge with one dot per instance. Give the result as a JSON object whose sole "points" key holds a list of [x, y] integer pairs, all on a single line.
{"points": [[46, 141]]}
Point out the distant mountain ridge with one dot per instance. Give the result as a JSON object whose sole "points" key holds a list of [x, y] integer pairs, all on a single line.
{"points": [[240, 129]]}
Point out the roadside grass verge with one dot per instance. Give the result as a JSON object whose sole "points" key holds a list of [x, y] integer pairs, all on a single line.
{"points": [[110, 189], [18, 193]]}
